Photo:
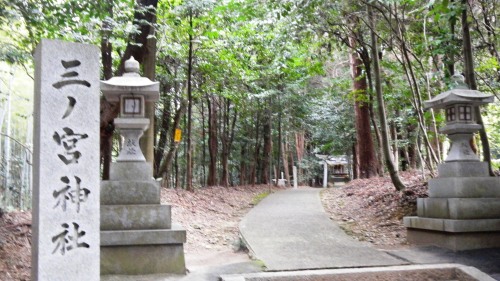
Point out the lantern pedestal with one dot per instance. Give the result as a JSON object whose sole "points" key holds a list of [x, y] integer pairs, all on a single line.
{"points": [[137, 234], [462, 211]]}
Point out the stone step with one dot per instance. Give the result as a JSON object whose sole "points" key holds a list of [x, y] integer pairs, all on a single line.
{"points": [[131, 171], [463, 169], [455, 187], [128, 217], [453, 226], [459, 208], [456, 235], [129, 192], [143, 260], [175, 235]]}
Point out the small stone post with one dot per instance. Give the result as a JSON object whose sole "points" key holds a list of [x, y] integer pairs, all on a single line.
{"points": [[295, 179], [66, 162], [325, 174]]}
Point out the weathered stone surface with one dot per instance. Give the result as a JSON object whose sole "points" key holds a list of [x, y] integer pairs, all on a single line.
{"points": [[131, 171], [66, 162], [475, 187], [176, 235], [405, 272], [459, 208], [453, 226], [130, 192], [126, 217], [136, 232], [130, 82], [460, 135], [463, 169], [148, 259], [131, 130], [454, 241]]}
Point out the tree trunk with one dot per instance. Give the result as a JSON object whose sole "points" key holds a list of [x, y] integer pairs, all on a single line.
{"points": [[395, 150], [398, 184], [108, 111], [227, 141], [299, 147], [164, 130], [243, 164], [379, 154], [355, 162], [471, 80], [256, 153], [212, 140], [166, 162], [203, 176], [284, 153], [415, 90], [176, 171], [266, 128], [189, 151], [364, 142]]}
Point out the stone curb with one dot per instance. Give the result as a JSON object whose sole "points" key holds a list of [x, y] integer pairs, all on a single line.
{"points": [[456, 270]]}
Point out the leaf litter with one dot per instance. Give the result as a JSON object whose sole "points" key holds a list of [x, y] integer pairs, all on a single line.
{"points": [[372, 209], [369, 210]]}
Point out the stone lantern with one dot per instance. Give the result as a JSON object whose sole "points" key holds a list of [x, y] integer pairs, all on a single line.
{"points": [[462, 211], [459, 104], [137, 234], [132, 92]]}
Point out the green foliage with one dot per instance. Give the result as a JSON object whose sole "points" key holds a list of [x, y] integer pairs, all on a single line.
{"points": [[492, 121], [283, 60]]}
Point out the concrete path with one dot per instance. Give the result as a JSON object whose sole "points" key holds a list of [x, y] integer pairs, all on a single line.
{"points": [[289, 230]]}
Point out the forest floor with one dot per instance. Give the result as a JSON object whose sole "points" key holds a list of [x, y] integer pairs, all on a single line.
{"points": [[369, 210]]}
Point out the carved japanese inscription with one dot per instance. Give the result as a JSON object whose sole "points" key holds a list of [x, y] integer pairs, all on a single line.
{"points": [[66, 162]]}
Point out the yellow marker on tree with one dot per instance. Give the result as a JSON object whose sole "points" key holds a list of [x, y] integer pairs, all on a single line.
{"points": [[177, 135]]}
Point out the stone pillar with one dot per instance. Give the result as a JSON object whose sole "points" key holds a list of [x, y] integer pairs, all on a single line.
{"points": [[325, 175], [295, 179], [66, 189]]}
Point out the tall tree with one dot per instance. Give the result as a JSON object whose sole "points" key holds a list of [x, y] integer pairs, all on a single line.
{"points": [[396, 180], [471, 80], [213, 106], [367, 162]]}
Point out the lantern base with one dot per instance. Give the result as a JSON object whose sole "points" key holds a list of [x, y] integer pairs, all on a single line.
{"points": [[460, 148]]}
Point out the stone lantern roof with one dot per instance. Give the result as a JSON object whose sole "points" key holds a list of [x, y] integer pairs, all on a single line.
{"points": [[459, 94], [130, 83]]}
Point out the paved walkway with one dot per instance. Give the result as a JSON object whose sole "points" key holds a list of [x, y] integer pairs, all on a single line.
{"points": [[289, 230]]}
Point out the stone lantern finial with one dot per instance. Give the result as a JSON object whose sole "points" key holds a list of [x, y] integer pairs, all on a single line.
{"points": [[458, 82], [132, 67]]}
